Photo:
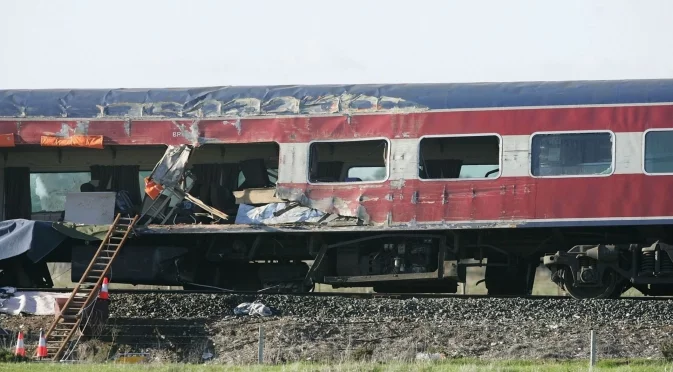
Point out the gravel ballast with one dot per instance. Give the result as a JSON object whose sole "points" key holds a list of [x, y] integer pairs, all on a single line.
{"points": [[474, 310]]}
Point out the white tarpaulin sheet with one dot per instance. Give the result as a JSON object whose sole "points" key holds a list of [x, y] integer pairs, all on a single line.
{"points": [[264, 215], [34, 303]]}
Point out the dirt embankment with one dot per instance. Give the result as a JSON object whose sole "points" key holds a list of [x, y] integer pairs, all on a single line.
{"points": [[192, 327]]}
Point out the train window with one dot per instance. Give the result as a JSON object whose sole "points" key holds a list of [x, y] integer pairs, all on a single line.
{"points": [[460, 157], [572, 154], [367, 173], [48, 190], [659, 152], [348, 161]]}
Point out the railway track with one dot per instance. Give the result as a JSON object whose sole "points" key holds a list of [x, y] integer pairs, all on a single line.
{"points": [[366, 295]]}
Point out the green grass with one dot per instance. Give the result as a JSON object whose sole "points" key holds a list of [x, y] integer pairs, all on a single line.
{"points": [[462, 365]]}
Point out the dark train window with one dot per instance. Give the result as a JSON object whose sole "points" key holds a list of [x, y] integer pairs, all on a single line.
{"points": [[348, 161], [462, 157], [659, 151], [572, 154]]}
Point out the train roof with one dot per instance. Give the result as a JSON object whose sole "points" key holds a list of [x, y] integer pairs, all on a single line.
{"points": [[246, 101]]}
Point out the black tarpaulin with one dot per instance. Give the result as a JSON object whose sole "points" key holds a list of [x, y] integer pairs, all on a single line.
{"points": [[35, 238], [38, 238]]}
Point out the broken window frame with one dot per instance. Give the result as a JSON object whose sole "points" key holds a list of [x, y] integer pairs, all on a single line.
{"points": [[644, 163], [613, 148], [271, 172], [420, 157], [341, 183], [38, 172]]}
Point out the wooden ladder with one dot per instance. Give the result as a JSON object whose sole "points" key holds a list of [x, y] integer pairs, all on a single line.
{"points": [[85, 292]]}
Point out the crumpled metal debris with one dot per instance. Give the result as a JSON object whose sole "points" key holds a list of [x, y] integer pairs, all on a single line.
{"points": [[254, 308]]}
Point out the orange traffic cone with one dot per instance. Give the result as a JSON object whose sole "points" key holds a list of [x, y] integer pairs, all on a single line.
{"points": [[42, 346], [103, 290], [20, 348]]}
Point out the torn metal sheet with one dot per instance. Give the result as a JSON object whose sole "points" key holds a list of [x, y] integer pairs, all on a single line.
{"points": [[169, 170], [349, 206], [417, 201]]}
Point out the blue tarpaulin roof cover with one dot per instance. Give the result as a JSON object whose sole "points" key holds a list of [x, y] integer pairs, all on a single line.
{"points": [[322, 99]]}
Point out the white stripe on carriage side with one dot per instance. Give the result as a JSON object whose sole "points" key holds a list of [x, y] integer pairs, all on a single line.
{"points": [[629, 153], [293, 165], [515, 152]]}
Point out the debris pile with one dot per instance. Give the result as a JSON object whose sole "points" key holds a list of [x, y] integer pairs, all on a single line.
{"points": [[254, 308]]}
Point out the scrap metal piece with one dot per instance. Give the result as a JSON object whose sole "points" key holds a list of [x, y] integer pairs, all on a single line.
{"points": [[170, 175]]}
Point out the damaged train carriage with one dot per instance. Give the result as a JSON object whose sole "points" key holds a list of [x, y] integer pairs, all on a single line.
{"points": [[396, 187]]}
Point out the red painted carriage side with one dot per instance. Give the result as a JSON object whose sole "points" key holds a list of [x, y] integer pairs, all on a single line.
{"points": [[505, 199], [305, 129]]}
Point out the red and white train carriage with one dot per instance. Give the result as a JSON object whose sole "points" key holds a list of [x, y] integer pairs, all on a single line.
{"points": [[421, 181]]}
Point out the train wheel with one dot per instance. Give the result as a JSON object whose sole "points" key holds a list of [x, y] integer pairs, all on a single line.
{"points": [[610, 287]]}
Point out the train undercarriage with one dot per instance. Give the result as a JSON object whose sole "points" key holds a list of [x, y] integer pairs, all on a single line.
{"points": [[606, 271], [391, 262]]}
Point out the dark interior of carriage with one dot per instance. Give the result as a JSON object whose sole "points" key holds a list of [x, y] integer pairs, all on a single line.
{"points": [[350, 161], [459, 157], [223, 176]]}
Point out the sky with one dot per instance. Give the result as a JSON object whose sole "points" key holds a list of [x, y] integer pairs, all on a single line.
{"points": [[165, 43]]}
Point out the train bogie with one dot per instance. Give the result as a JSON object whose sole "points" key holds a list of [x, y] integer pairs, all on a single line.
{"points": [[605, 271]]}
